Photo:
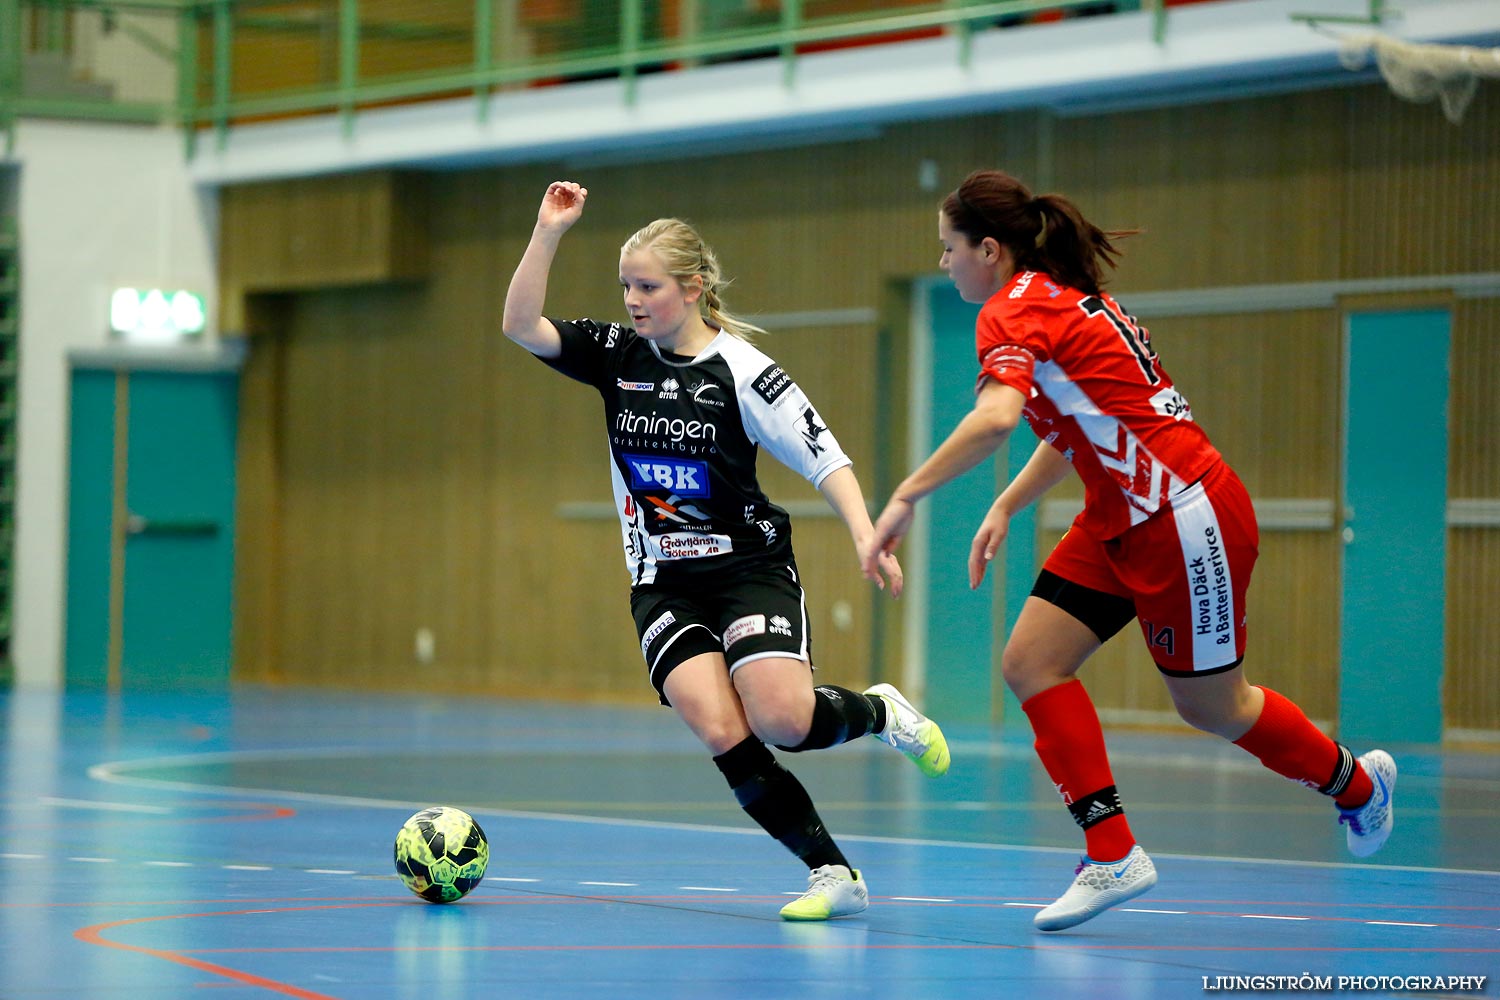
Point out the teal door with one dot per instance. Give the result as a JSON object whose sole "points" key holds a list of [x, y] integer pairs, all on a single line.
{"points": [[962, 641], [1395, 527], [150, 529]]}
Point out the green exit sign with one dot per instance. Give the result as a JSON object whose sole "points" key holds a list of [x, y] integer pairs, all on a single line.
{"points": [[156, 315]]}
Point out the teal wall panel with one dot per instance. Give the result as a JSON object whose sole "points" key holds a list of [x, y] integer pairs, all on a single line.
{"points": [[175, 625], [90, 474], [963, 645], [180, 568], [1395, 506], [960, 621]]}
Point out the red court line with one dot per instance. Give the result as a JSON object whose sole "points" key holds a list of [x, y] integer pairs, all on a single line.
{"points": [[96, 903], [265, 811], [95, 935]]}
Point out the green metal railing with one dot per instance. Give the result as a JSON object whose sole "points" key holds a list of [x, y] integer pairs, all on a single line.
{"points": [[228, 61]]}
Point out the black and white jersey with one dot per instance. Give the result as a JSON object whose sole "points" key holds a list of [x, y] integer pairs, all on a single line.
{"points": [[683, 439]]}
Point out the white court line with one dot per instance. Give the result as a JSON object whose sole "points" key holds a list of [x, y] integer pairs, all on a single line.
{"points": [[708, 888], [111, 772], [48, 800]]}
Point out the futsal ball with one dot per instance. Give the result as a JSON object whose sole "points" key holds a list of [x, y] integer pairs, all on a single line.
{"points": [[441, 854]]}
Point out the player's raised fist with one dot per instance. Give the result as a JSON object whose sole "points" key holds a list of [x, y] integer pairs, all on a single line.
{"points": [[562, 205]]}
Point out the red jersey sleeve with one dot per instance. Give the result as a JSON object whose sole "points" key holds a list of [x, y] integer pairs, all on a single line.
{"points": [[1008, 352]]}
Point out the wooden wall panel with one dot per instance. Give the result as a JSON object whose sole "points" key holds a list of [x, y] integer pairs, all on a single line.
{"points": [[416, 462], [1471, 682], [1240, 192], [1474, 406], [258, 633], [1421, 196], [319, 232]]}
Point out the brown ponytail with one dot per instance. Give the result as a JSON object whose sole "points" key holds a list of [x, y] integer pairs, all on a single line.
{"points": [[1047, 234]]}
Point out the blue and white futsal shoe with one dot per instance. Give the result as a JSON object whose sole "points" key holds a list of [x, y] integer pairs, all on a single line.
{"points": [[1097, 887], [1370, 824]]}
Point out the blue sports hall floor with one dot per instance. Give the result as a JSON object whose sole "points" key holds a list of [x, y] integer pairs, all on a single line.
{"points": [[240, 846]]}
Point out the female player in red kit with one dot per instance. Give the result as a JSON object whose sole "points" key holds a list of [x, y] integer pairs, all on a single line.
{"points": [[1167, 534]]}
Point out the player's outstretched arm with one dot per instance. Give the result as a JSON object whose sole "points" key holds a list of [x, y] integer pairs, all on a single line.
{"points": [[523, 321], [1045, 469], [841, 489], [997, 411]]}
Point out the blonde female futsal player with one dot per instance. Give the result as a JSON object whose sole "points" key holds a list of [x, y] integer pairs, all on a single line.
{"points": [[716, 597]]}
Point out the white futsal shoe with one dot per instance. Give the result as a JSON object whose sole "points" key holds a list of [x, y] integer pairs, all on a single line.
{"points": [[1097, 887], [1370, 824], [911, 732], [832, 891]]}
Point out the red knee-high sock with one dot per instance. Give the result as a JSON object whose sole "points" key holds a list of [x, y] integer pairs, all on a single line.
{"points": [[1071, 745], [1287, 743]]}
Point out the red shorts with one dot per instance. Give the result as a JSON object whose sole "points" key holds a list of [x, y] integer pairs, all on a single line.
{"points": [[1186, 569]]}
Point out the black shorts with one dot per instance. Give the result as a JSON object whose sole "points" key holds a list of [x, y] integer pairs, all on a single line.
{"points": [[756, 615]]}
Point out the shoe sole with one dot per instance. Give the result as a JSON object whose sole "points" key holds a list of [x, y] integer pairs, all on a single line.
{"points": [[814, 918], [938, 765]]}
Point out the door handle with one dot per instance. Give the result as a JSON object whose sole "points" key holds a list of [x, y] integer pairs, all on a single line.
{"points": [[135, 524]]}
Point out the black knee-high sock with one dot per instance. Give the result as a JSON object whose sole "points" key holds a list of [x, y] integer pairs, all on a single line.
{"points": [[773, 797], [840, 715]]}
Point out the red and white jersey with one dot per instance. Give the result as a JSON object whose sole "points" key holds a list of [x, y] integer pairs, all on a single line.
{"points": [[1096, 392]]}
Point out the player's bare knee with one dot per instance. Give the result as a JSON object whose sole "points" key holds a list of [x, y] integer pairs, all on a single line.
{"points": [[720, 739], [781, 724], [1209, 717], [1025, 673]]}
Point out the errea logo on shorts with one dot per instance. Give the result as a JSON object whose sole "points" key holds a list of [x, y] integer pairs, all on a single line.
{"points": [[742, 628], [781, 626]]}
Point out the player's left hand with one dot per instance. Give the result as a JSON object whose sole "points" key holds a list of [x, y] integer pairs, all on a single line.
{"points": [[987, 541], [892, 525], [878, 567]]}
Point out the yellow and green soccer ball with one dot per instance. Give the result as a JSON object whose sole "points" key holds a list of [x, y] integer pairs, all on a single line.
{"points": [[441, 854]]}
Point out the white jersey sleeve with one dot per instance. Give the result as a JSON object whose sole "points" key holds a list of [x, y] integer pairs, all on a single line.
{"points": [[779, 417]]}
